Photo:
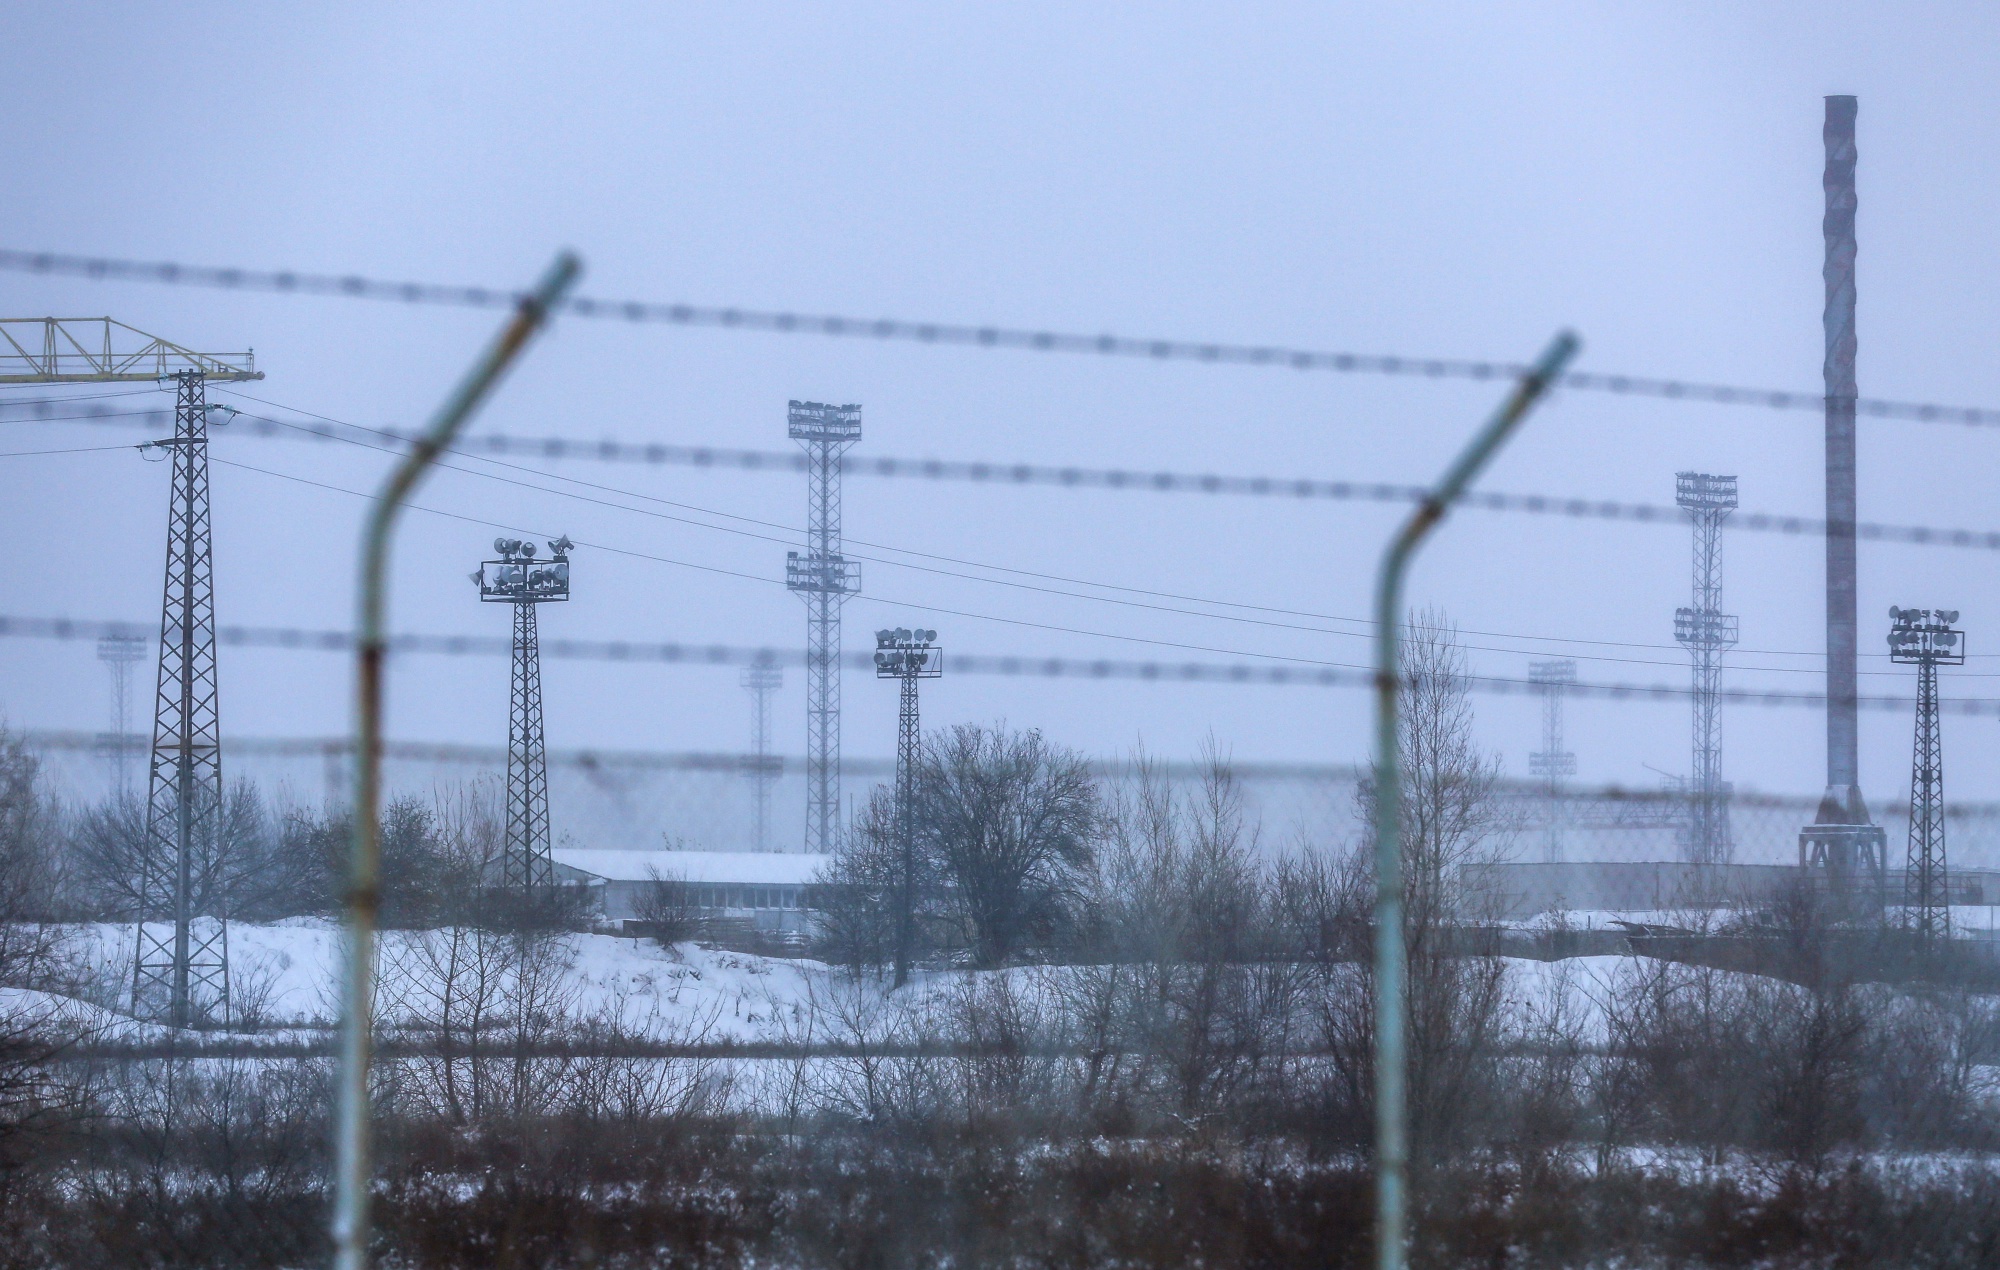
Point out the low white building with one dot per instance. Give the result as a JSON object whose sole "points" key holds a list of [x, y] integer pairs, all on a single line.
{"points": [[770, 890]]}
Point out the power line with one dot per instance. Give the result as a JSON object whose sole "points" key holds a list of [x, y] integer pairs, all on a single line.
{"points": [[85, 449], [955, 334], [792, 535], [919, 605], [1306, 674], [366, 440]]}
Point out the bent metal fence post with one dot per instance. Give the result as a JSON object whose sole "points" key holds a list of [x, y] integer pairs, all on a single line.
{"points": [[351, 1139], [1391, 1121]]}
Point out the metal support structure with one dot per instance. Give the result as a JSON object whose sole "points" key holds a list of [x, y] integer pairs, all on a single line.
{"points": [[351, 1138], [1924, 638], [824, 578], [118, 653], [1552, 762], [53, 350], [761, 680], [180, 966], [519, 579], [1842, 845], [180, 976], [1707, 632], [1391, 957], [908, 656]]}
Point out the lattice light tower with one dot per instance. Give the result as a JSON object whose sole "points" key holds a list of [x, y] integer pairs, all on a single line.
{"points": [[180, 965], [907, 655], [118, 653], [1707, 632], [1552, 762], [824, 579], [1924, 638], [762, 678], [519, 579]]}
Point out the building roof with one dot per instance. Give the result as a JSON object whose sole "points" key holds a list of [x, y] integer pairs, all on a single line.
{"points": [[771, 867]]}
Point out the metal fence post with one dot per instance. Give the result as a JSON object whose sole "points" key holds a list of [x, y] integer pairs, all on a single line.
{"points": [[1391, 1114], [351, 1138]]}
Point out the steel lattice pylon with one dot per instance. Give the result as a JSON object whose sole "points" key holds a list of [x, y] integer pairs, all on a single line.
{"points": [[824, 578], [1924, 638], [908, 656], [519, 579], [1707, 632], [1552, 762], [180, 968], [761, 680]]}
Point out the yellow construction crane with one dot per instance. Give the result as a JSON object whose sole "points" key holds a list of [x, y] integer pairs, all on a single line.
{"points": [[99, 350]]}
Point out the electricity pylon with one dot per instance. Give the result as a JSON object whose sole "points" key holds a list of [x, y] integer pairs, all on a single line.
{"points": [[1925, 639], [909, 656], [517, 578], [761, 679], [180, 967], [824, 579], [1552, 762], [1707, 632]]}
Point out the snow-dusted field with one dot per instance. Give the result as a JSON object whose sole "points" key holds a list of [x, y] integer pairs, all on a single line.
{"points": [[284, 978]]}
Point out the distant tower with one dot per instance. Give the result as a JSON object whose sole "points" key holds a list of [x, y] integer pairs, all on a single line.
{"points": [[761, 679], [1924, 638], [1552, 762], [824, 578], [1843, 846], [118, 653], [1708, 632], [908, 656], [517, 578]]}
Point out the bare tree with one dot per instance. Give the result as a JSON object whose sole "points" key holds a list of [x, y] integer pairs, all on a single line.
{"points": [[34, 957], [1012, 822], [1455, 993], [1187, 907], [236, 868], [859, 889]]}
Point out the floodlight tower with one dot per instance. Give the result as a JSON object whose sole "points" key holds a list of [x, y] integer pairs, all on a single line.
{"points": [[1708, 632], [519, 579], [762, 678], [1552, 762], [118, 653], [907, 655], [824, 579], [1924, 638], [180, 967]]}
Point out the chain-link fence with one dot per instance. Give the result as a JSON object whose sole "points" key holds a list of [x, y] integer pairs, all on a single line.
{"points": [[557, 1098]]}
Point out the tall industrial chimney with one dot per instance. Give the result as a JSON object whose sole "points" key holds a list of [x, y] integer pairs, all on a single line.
{"points": [[1841, 840]]}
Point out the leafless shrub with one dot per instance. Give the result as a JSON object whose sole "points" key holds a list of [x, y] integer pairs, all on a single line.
{"points": [[666, 906]]}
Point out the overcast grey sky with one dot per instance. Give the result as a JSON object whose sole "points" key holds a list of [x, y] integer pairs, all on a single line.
{"points": [[1432, 179]]}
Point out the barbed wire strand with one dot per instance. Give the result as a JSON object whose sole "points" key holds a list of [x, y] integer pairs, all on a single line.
{"points": [[1069, 477], [1320, 674], [958, 334]]}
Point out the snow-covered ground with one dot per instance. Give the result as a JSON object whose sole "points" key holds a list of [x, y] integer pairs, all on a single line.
{"points": [[284, 980]]}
